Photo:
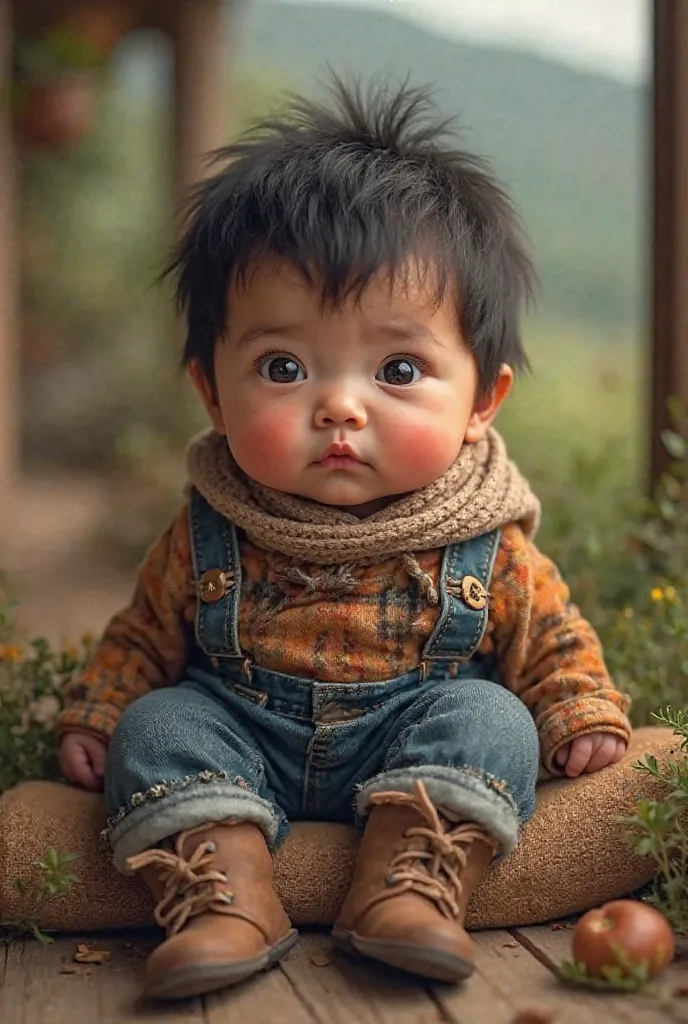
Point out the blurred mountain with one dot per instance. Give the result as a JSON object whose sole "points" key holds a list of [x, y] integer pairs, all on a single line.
{"points": [[573, 147]]}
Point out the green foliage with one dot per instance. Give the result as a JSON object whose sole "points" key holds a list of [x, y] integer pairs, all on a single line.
{"points": [[32, 679], [626, 561], [659, 828], [646, 645], [56, 50], [55, 880], [622, 977]]}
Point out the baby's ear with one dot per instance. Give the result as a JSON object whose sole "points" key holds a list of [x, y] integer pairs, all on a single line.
{"points": [[488, 404], [206, 389]]}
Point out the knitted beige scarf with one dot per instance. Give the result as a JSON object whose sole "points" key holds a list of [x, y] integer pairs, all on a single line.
{"points": [[481, 491]]}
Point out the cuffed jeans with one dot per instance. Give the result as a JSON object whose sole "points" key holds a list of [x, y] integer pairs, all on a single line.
{"points": [[210, 749]]}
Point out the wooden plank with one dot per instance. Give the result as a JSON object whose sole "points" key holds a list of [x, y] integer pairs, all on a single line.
{"points": [[478, 999], [119, 986], [37, 990], [670, 220], [509, 980], [268, 997], [552, 947], [348, 991], [316, 985], [13, 980]]}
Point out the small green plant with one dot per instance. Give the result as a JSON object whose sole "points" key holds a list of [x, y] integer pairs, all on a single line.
{"points": [[663, 529], [626, 979], [659, 828], [622, 977], [57, 49], [33, 675], [646, 646], [55, 880]]}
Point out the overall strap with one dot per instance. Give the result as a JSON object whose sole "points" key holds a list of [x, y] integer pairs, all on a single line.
{"points": [[464, 595], [217, 579]]}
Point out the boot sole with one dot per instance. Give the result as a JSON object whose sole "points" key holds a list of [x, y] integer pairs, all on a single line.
{"points": [[195, 981], [420, 960]]}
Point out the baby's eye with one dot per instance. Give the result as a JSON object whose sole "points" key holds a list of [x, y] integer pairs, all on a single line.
{"points": [[282, 370], [399, 371]]}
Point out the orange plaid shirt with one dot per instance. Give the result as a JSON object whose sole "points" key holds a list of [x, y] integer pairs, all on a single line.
{"points": [[546, 653]]}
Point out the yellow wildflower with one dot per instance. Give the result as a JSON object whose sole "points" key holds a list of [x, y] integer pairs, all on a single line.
{"points": [[628, 613], [657, 594], [8, 652], [670, 593]]}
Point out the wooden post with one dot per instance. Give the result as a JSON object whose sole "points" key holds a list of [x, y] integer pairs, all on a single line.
{"points": [[9, 286], [200, 97], [670, 221]]}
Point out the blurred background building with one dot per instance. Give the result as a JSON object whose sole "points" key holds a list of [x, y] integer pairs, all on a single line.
{"points": [[107, 109]]}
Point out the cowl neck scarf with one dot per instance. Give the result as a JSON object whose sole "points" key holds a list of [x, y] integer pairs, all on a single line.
{"points": [[481, 491]]}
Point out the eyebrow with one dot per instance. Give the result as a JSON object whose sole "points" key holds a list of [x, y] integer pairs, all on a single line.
{"points": [[263, 330], [409, 330]]}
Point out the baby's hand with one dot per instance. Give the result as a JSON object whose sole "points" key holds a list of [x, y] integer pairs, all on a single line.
{"points": [[590, 753], [82, 759]]}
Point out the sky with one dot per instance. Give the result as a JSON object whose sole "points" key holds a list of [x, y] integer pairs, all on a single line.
{"points": [[612, 36]]}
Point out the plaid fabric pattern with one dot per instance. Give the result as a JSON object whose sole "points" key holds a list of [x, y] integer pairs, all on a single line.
{"points": [[547, 654]]}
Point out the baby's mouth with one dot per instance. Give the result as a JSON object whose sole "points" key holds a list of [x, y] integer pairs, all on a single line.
{"points": [[336, 461], [340, 455]]}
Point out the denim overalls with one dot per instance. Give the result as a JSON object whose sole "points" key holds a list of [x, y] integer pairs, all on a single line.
{"points": [[234, 740]]}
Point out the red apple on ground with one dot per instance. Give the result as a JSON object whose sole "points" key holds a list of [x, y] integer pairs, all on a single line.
{"points": [[623, 934]]}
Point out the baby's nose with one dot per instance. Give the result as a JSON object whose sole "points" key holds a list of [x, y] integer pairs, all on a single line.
{"points": [[340, 409]]}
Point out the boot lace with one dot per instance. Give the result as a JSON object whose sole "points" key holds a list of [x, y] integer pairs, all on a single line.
{"points": [[189, 883], [432, 862]]}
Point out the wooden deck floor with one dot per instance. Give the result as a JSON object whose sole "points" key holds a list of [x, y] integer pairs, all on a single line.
{"points": [[315, 985]]}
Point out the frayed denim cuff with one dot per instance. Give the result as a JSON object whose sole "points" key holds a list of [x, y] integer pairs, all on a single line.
{"points": [[466, 794], [167, 809]]}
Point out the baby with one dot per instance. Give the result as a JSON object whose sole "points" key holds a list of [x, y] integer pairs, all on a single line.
{"points": [[348, 619]]}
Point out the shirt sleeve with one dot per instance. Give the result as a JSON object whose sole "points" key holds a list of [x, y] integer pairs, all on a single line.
{"points": [[549, 655], [146, 645]]}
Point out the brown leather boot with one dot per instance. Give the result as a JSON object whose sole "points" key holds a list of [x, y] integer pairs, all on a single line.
{"points": [[414, 875], [215, 898]]}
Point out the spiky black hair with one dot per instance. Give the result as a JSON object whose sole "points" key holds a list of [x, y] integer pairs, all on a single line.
{"points": [[344, 191]]}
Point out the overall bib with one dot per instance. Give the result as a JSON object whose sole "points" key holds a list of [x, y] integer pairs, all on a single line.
{"points": [[234, 740]]}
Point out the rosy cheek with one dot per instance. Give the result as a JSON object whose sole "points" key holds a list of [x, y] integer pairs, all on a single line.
{"points": [[422, 447], [266, 440]]}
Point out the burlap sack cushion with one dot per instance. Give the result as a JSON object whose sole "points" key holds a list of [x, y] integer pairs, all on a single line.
{"points": [[572, 856]]}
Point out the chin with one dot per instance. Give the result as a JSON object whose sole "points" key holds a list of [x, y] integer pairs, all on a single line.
{"points": [[341, 502], [341, 498]]}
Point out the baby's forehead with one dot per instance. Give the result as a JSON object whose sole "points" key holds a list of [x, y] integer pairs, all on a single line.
{"points": [[415, 284], [278, 303]]}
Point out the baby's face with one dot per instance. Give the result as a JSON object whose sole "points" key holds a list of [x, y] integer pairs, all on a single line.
{"points": [[351, 406]]}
